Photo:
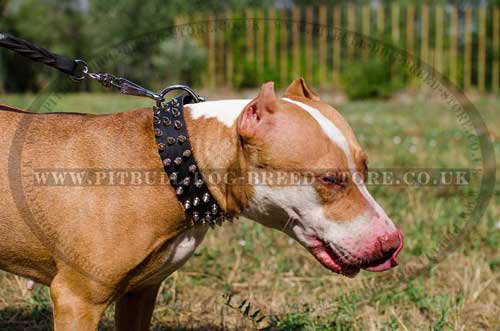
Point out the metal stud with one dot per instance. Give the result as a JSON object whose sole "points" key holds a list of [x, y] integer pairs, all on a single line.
{"points": [[206, 197], [192, 168], [196, 201], [158, 133], [166, 121], [198, 183], [179, 190], [173, 177], [196, 216], [167, 162], [208, 217], [177, 124], [157, 109], [175, 112], [156, 120], [178, 161], [161, 147], [215, 209], [187, 153], [182, 139], [187, 204], [170, 140], [186, 181]]}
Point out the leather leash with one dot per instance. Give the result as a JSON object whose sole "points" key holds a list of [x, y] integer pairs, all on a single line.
{"points": [[170, 129]]}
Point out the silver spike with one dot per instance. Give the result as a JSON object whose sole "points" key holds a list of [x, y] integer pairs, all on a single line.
{"points": [[187, 204], [196, 216], [173, 176], [167, 162], [198, 183], [215, 209], [186, 181], [208, 217], [178, 161], [206, 197], [192, 168], [179, 190], [196, 201]]}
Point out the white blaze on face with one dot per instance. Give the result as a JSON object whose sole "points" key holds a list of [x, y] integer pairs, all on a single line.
{"points": [[224, 111]]}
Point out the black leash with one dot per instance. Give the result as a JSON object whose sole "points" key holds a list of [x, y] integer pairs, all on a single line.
{"points": [[169, 126]]}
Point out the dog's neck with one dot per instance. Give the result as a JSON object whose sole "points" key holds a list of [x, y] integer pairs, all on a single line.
{"points": [[217, 149]]}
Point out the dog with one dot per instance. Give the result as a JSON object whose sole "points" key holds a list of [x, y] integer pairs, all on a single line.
{"points": [[95, 245]]}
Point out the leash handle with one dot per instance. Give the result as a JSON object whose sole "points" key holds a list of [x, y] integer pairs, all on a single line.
{"points": [[39, 54]]}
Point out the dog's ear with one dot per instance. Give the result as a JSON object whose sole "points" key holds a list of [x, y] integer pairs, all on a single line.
{"points": [[256, 112], [299, 88]]}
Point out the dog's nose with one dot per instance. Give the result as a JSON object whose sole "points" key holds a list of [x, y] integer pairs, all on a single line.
{"points": [[391, 244]]}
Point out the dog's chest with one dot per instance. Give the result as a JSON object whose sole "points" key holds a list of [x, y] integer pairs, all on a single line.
{"points": [[178, 252]]}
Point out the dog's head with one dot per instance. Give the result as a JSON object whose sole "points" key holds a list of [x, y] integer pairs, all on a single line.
{"points": [[321, 199]]}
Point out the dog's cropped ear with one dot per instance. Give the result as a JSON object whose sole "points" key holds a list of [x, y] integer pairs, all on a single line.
{"points": [[299, 88], [257, 111]]}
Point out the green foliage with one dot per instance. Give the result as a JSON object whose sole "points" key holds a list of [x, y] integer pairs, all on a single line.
{"points": [[376, 78]]}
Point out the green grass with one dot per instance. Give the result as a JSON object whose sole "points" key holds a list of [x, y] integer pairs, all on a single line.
{"points": [[276, 276]]}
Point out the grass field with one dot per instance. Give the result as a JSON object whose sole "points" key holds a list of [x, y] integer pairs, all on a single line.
{"points": [[459, 290]]}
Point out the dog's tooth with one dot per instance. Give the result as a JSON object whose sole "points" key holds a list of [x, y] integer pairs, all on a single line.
{"points": [[179, 190], [178, 161], [206, 197]]}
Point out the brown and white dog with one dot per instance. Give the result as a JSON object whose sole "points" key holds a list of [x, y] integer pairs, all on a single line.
{"points": [[94, 245]]}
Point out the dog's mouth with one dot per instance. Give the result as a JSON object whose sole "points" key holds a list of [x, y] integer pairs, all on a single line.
{"points": [[339, 260]]}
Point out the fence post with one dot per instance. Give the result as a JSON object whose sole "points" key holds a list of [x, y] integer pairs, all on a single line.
{"points": [[323, 33], [309, 51], [410, 30], [468, 48], [220, 61], [351, 27], [453, 44], [481, 57], [250, 49], [296, 41], [438, 59], [260, 30], [366, 29], [424, 39], [336, 44], [395, 22], [229, 50], [284, 24], [211, 51], [496, 50], [271, 38]]}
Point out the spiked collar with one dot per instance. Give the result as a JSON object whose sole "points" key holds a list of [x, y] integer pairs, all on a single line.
{"points": [[178, 161]]}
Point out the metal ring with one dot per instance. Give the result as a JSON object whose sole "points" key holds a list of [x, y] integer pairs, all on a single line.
{"points": [[85, 70], [196, 97]]}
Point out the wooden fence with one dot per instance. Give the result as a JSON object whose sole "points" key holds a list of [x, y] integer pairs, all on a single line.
{"points": [[244, 48]]}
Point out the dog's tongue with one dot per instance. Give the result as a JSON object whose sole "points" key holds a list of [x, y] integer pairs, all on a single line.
{"points": [[392, 262]]}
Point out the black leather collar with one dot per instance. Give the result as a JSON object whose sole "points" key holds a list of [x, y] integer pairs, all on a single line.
{"points": [[177, 156]]}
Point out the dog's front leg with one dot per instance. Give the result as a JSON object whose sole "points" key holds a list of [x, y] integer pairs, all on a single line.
{"points": [[134, 310], [74, 311]]}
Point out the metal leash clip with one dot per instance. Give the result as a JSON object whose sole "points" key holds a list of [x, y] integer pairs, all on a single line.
{"points": [[124, 85]]}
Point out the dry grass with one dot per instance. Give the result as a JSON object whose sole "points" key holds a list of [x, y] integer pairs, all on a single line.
{"points": [[460, 291]]}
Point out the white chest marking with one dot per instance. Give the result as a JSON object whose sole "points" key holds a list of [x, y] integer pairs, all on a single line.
{"points": [[225, 111]]}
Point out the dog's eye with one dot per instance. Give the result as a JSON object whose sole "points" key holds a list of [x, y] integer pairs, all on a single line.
{"points": [[333, 181]]}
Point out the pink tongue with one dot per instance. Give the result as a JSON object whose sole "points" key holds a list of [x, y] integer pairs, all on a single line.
{"points": [[392, 262]]}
